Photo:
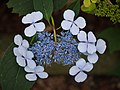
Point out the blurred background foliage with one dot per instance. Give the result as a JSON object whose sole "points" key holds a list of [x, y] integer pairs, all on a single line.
{"points": [[102, 17]]}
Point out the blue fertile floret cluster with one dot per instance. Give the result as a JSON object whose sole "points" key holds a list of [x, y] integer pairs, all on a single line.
{"points": [[63, 51]]}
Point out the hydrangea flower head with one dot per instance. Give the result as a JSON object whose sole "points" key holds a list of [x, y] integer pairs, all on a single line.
{"points": [[73, 25], [79, 70], [62, 48], [35, 26]]}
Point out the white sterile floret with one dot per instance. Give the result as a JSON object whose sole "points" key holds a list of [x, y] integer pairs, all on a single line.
{"points": [[101, 46], [87, 42], [18, 40], [33, 73], [35, 26], [70, 24], [24, 57], [79, 70]]}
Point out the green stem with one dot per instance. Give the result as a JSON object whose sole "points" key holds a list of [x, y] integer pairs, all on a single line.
{"points": [[32, 39], [54, 30], [58, 28], [55, 37]]}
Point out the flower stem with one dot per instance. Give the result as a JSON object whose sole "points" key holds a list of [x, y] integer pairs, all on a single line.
{"points": [[58, 28], [54, 30], [32, 39]]}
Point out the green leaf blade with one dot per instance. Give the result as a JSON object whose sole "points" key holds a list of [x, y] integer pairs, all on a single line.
{"points": [[12, 76], [45, 6], [22, 7], [58, 4], [112, 35]]}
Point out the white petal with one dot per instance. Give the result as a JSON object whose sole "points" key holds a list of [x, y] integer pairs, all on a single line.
{"points": [[16, 52], [82, 36], [18, 39], [88, 67], [69, 15], [80, 22], [91, 48], [39, 26], [66, 24], [91, 37], [21, 61], [25, 43], [37, 16], [27, 69], [31, 77], [82, 47], [92, 58], [101, 46], [31, 64], [74, 70], [74, 29], [42, 75], [81, 63], [81, 77], [29, 55], [22, 50], [27, 19], [30, 31], [39, 69]]}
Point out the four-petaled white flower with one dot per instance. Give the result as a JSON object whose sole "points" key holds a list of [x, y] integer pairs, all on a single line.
{"points": [[100, 47], [73, 25], [35, 26], [23, 56], [79, 70], [87, 42], [38, 70]]}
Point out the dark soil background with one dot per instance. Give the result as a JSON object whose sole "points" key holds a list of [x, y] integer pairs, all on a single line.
{"points": [[10, 24]]}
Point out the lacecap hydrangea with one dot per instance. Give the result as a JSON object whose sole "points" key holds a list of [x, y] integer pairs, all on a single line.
{"points": [[66, 48]]}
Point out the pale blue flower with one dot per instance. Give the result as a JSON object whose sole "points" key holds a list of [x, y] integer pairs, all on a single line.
{"points": [[79, 70], [35, 26], [73, 25], [33, 73]]}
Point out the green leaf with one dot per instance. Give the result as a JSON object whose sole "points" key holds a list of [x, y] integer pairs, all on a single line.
{"points": [[12, 76], [58, 4], [21, 6], [88, 9], [75, 6], [45, 6], [112, 35], [87, 3]]}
